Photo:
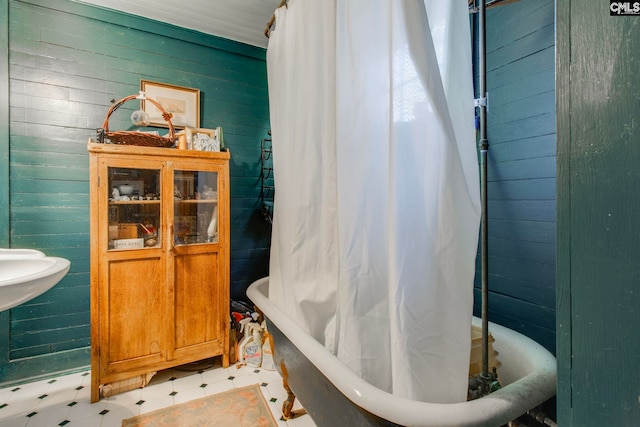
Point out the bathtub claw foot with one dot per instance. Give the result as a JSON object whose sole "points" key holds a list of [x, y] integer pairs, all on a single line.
{"points": [[288, 412]]}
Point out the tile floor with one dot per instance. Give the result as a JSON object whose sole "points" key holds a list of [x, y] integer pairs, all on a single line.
{"points": [[65, 400]]}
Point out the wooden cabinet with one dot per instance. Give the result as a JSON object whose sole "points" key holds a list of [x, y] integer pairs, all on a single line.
{"points": [[159, 259]]}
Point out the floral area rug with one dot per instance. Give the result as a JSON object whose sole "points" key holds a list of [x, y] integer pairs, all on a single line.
{"points": [[240, 407]]}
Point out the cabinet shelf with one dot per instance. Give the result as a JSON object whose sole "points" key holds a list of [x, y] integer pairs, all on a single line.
{"points": [[134, 202], [196, 201]]}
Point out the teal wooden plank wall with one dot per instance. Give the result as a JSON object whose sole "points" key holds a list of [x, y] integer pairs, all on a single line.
{"points": [[598, 216], [66, 62], [521, 168]]}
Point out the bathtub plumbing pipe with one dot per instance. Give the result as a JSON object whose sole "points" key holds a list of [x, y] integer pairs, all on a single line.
{"points": [[539, 415], [534, 417], [481, 104]]}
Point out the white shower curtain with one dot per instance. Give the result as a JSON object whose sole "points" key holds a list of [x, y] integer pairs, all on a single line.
{"points": [[377, 208]]}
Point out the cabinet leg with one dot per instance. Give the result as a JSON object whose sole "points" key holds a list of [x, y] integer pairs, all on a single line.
{"points": [[95, 389], [225, 360]]}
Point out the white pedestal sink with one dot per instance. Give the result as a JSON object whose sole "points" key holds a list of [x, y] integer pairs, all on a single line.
{"points": [[27, 273]]}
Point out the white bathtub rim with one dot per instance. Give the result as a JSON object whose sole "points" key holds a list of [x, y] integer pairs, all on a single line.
{"points": [[495, 409]]}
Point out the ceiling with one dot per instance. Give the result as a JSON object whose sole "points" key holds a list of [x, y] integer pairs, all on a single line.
{"points": [[240, 20]]}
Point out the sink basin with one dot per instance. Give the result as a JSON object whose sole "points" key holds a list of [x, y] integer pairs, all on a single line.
{"points": [[27, 273], [20, 253]]}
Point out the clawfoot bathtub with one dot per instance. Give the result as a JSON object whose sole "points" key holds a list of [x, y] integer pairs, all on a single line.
{"points": [[335, 396]]}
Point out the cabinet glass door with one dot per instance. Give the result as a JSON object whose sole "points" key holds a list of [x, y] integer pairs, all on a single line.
{"points": [[195, 195], [134, 208]]}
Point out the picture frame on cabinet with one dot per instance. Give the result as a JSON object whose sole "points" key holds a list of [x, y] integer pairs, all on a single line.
{"points": [[114, 216], [182, 102], [183, 187], [203, 139]]}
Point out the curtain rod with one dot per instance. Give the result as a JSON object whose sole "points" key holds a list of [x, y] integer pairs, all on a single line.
{"points": [[471, 3], [488, 4], [267, 30]]}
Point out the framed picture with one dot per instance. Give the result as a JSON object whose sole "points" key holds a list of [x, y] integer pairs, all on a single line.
{"points": [[182, 102], [114, 216], [202, 139], [184, 186]]}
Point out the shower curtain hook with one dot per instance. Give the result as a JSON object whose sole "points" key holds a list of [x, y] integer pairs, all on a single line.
{"points": [[267, 30]]}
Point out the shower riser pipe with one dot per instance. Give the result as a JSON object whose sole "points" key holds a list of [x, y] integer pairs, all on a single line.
{"points": [[484, 147]]}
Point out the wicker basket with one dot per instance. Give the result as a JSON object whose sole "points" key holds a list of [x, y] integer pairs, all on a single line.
{"points": [[139, 138]]}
